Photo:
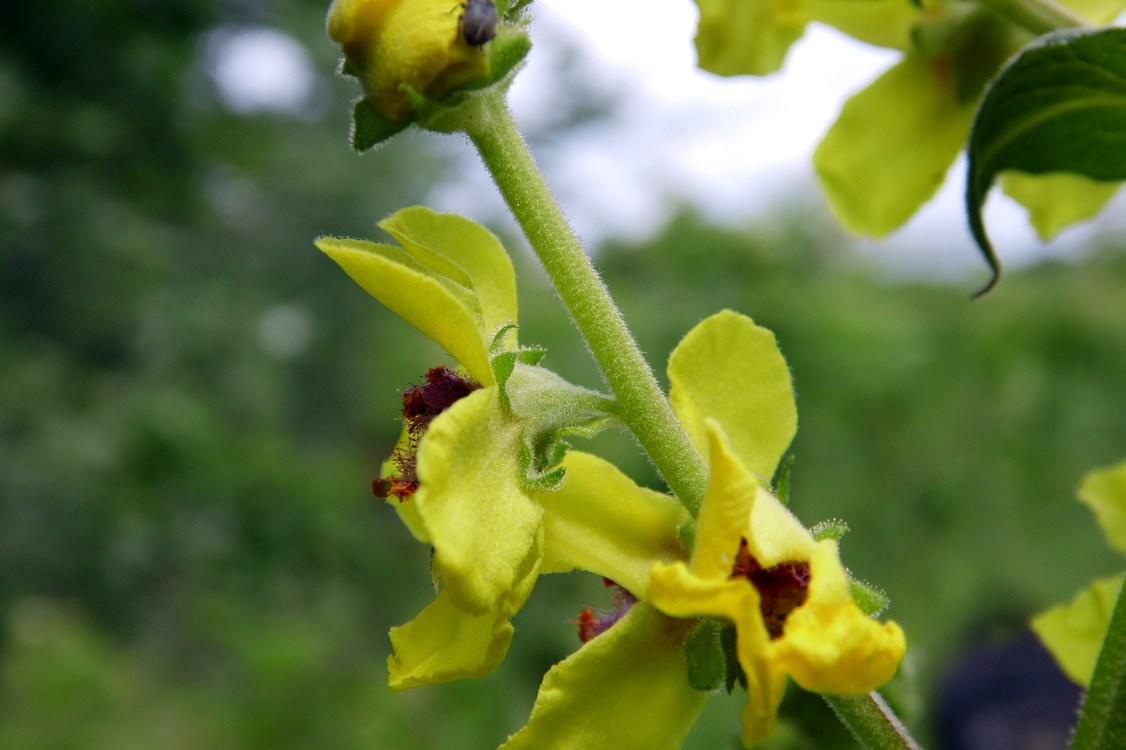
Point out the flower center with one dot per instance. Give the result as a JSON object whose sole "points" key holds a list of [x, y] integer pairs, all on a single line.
{"points": [[781, 588], [592, 623], [421, 405]]}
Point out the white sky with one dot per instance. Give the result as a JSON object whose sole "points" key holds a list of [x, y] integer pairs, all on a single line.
{"points": [[733, 148]]}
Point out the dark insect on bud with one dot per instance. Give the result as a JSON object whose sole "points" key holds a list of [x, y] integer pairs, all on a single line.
{"points": [[478, 21]]}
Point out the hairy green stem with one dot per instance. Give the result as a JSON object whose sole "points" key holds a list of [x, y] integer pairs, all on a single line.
{"points": [[642, 404], [1102, 724], [872, 721], [1036, 16]]}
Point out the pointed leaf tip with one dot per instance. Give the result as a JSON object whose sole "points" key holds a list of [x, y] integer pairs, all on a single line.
{"points": [[1057, 106]]}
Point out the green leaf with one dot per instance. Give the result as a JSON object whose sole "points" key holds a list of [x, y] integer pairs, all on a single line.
{"points": [[369, 128], [1057, 106]]}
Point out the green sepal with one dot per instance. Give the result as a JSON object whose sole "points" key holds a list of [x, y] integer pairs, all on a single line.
{"points": [[686, 532], [707, 663], [982, 43], [833, 529], [781, 482], [871, 600], [550, 410], [713, 662], [500, 339], [506, 53], [1057, 106], [344, 68], [369, 128], [511, 12], [735, 674], [504, 364]]}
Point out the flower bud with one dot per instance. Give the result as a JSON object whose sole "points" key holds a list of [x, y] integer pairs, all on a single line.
{"points": [[393, 44]]}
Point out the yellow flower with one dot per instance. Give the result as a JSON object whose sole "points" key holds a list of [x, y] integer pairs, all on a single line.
{"points": [[495, 437], [731, 389], [453, 281], [799, 620]]}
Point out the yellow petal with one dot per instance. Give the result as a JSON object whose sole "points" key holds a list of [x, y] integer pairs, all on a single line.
{"points": [[775, 534], [1055, 201], [1104, 492], [829, 645], [440, 308], [446, 643], [883, 23], [1074, 632], [487, 533], [889, 150], [464, 251], [730, 370], [600, 521], [735, 37], [726, 510], [678, 592], [626, 688]]}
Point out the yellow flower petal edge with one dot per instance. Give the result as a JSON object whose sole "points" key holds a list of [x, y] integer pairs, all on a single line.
{"points": [[829, 645], [1073, 633], [734, 37], [888, 152], [462, 250], [392, 43], [1104, 492], [600, 521], [444, 642], [826, 644], [437, 306], [487, 533], [626, 688], [883, 23], [729, 369]]}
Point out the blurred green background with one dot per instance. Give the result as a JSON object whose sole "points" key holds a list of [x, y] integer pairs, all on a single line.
{"points": [[193, 402]]}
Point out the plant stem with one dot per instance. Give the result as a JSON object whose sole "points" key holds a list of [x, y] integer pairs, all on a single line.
{"points": [[1036, 16], [642, 404], [872, 721], [1102, 725]]}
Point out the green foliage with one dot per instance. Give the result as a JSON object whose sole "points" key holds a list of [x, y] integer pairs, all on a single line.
{"points": [[1058, 106]]}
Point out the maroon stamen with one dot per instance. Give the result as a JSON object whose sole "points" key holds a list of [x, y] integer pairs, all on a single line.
{"points": [[593, 623], [421, 405], [782, 588]]}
